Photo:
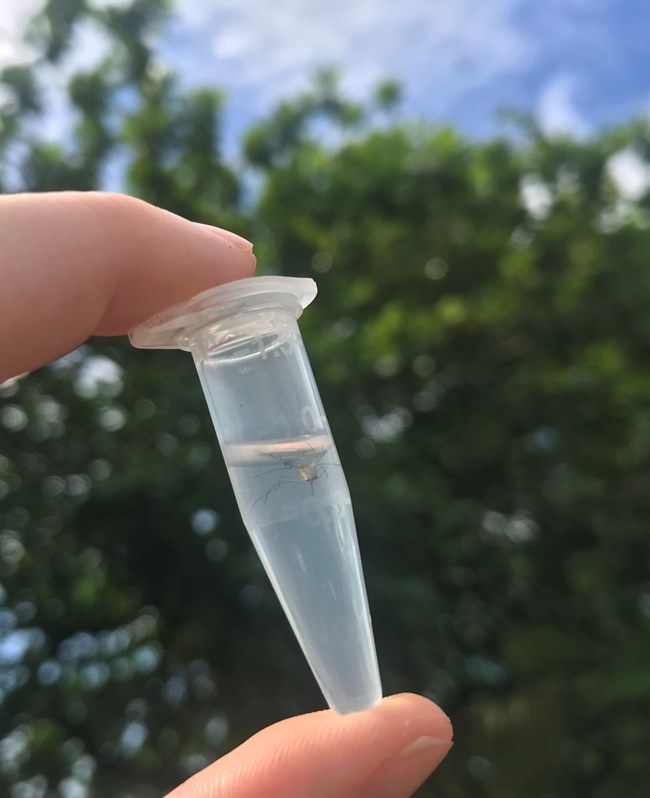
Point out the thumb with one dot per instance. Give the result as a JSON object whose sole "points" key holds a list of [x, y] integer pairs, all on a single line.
{"points": [[385, 752]]}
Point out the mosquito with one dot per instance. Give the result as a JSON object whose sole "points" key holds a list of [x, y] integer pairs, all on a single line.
{"points": [[308, 468]]}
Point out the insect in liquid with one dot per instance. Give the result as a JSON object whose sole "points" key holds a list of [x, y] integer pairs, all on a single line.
{"points": [[308, 471], [305, 466], [284, 468]]}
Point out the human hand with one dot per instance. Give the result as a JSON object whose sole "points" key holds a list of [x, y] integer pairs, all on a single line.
{"points": [[74, 265]]}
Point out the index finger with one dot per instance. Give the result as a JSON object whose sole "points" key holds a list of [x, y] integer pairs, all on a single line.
{"points": [[74, 264]]}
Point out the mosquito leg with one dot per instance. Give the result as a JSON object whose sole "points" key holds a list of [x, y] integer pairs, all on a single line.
{"points": [[274, 470], [266, 495], [282, 481]]}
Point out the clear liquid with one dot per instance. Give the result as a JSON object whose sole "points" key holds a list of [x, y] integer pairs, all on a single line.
{"points": [[294, 499], [296, 506]]}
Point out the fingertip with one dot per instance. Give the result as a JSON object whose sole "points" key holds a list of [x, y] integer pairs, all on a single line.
{"points": [[397, 742], [179, 260], [81, 263], [422, 710], [232, 238]]}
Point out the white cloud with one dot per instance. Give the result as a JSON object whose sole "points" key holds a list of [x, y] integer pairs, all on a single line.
{"points": [[89, 45], [15, 16], [630, 174], [557, 111], [457, 59], [440, 47]]}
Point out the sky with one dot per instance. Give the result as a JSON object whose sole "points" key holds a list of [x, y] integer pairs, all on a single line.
{"points": [[578, 64]]}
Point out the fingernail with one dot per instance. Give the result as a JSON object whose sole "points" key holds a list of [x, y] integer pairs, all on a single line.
{"points": [[227, 235], [400, 776]]}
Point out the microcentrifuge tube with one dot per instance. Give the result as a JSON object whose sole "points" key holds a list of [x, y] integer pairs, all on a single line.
{"points": [[284, 467]]}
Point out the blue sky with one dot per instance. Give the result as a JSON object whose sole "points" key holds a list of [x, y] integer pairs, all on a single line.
{"points": [[578, 64]]}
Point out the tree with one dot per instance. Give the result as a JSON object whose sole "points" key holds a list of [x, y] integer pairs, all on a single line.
{"points": [[479, 339]]}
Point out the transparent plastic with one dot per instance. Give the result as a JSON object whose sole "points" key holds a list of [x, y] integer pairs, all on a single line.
{"points": [[284, 467]]}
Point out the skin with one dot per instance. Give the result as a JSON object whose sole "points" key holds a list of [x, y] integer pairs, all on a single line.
{"points": [[79, 264]]}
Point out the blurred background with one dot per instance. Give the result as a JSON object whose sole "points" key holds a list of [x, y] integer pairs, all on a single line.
{"points": [[469, 185]]}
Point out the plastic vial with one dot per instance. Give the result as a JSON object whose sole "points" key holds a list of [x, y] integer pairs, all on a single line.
{"points": [[284, 467]]}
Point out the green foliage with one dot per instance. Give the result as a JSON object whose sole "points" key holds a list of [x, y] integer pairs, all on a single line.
{"points": [[19, 83], [272, 141], [483, 362], [388, 94]]}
